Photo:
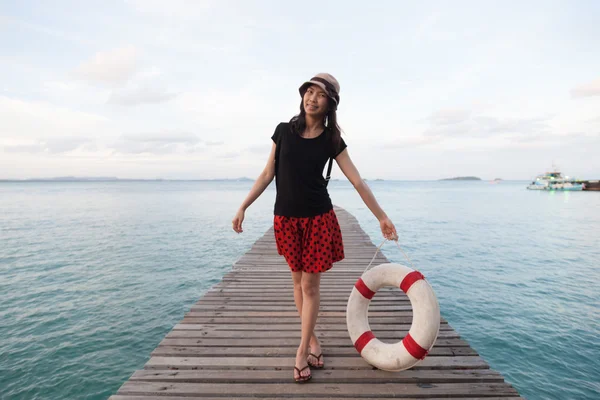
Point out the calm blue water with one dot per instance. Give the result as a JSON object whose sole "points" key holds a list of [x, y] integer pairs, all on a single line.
{"points": [[93, 275]]}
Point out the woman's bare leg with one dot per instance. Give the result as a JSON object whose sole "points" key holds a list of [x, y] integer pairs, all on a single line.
{"points": [[298, 299], [315, 346], [310, 285]]}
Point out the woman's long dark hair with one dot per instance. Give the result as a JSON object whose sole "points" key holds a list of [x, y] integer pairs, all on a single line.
{"points": [[298, 123]]}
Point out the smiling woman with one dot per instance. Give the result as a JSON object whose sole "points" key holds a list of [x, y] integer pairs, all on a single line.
{"points": [[306, 227]]}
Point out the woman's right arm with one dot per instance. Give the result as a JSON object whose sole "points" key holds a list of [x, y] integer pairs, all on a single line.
{"points": [[261, 183]]}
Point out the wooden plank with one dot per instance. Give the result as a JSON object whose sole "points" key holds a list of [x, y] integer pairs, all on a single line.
{"points": [[350, 257], [285, 293], [332, 376], [388, 336], [296, 328], [290, 303], [243, 341], [404, 319], [191, 332], [195, 313], [290, 300], [346, 267], [256, 351], [357, 265], [251, 310], [278, 290], [285, 397], [159, 362], [286, 282], [346, 271], [381, 390]]}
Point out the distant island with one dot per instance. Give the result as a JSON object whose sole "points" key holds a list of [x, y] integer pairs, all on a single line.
{"points": [[462, 178]]}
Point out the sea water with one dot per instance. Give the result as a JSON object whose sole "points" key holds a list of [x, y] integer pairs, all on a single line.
{"points": [[94, 274]]}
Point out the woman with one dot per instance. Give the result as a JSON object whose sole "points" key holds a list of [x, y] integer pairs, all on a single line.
{"points": [[306, 227]]}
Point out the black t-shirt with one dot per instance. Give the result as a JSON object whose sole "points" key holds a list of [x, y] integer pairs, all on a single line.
{"points": [[301, 190]]}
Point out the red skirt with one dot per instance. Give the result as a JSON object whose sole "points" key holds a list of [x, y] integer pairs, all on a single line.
{"points": [[309, 244]]}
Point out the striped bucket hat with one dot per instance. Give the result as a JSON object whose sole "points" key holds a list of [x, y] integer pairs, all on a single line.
{"points": [[326, 82]]}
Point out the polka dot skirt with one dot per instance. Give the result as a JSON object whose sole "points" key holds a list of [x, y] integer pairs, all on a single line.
{"points": [[310, 244]]}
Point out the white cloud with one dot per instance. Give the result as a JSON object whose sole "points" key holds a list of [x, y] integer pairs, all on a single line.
{"points": [[140, 95], [431, 28], [494, 126], [150, 73], [44, 30], [61, 86], [36, 119], [587, 90], [260, 149], [56, 91], [164, 137], [230, 155], [226, 30], [184, 9], [466, 123], [54, 145], [449, 116], [238, 112], [214, 143], [467, 129], [114, 68], [24, 148], [411, 142], [158, 143]]}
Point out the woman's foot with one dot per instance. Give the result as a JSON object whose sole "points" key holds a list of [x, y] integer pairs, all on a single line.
{"points": [[301, 368], [315, 356]]}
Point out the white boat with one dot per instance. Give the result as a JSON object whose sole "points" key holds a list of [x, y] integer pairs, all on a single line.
{"points": [[554, 181]]}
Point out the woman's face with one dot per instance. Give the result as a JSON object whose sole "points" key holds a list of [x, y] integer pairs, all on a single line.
{"points": [[315, 101]]}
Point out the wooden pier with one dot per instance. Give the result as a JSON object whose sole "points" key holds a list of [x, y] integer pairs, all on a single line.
{"points": [[239, 340]]}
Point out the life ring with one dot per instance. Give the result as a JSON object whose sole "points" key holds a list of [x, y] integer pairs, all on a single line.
{"points": [[424, 329]]}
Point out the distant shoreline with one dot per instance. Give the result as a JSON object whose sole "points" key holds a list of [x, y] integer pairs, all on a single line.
{"points": [[106, 180], [111, 179], [462, 178]]}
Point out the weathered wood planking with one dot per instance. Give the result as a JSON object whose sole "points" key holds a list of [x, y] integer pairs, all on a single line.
{"points": [[239, 340]]}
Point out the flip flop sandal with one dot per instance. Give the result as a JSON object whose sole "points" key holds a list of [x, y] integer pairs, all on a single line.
{"points": [[301, 378], [317, 365]]}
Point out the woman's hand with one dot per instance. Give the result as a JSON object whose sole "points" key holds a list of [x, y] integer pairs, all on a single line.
{"points": [[237, 221], [388, 229]]}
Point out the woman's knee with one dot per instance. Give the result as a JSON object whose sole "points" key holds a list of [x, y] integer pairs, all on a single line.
{"points": [[310, 285], [297, 280]]}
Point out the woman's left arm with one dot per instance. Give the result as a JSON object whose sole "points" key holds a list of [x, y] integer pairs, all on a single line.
{"points": [[349, 169]]}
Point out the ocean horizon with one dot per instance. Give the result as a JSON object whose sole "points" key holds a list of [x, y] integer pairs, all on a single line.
{"points": [[243, 178], [95, 273]]}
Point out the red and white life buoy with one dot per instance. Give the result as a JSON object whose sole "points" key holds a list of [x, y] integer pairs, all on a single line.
{"points": [[425, 321]]}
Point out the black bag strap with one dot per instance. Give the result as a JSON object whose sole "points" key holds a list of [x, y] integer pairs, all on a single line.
{"points": [[277, 150], [328, 176]]}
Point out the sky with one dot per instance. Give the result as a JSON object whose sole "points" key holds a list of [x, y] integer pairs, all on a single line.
{"points": [[179, 89]]}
